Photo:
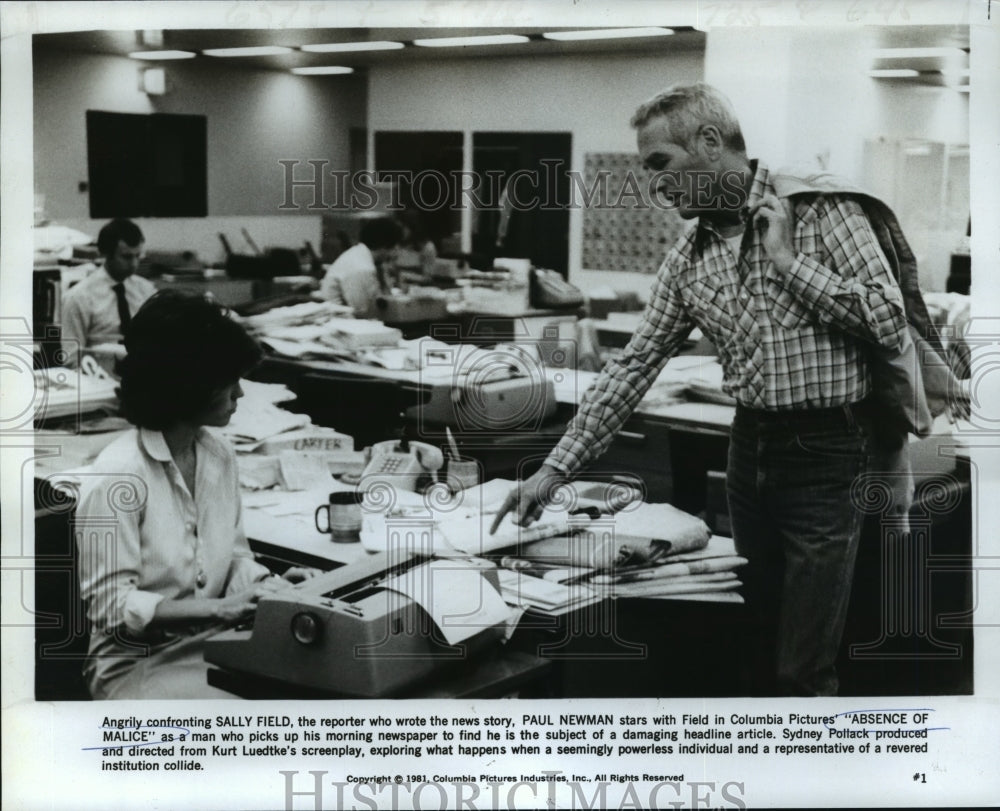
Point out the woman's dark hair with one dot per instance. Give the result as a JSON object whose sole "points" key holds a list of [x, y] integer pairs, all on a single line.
{"points": [[182, 349]]}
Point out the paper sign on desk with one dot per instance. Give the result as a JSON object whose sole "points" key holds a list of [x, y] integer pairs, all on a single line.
{"points": [[303, 471], [457, 597]]}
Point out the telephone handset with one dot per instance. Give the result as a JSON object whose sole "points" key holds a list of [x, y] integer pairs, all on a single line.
{"points": [[402, 463]]}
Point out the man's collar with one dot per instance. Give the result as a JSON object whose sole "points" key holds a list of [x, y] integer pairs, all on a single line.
{"points": [[111, 280], [759, 186]]}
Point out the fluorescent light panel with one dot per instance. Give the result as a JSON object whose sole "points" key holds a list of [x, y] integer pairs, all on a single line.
{"points": [[459, 42], [155, 55], [608, 33], [901, 73], [916, 53], [322, 70], [261, 50], [349, 47]]}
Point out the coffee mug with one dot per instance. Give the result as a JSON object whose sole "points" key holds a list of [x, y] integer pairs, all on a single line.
{"points": [[343, 517]]}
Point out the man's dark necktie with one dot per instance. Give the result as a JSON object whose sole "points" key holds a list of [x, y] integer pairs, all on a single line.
{"points": [[123, 314]]}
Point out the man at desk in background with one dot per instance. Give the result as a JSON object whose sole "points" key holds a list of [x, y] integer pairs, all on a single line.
{"points": [[793, 300], [99, 309], [357, 277]]}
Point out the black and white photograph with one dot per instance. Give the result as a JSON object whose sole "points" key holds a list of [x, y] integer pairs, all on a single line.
{"points": [[612, 384]]}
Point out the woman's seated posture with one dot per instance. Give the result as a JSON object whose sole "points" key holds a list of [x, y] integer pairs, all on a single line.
{"points": [[162, 554]]}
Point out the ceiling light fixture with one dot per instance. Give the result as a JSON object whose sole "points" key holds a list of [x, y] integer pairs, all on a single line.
{"points": [[608, 33], [322, 70], [901, 73], [261, 50], [350, 47], [916, 53], [155, 55], [460, 42]]}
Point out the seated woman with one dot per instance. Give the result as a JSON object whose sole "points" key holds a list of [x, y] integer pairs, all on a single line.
{"points": [[162, 556]]}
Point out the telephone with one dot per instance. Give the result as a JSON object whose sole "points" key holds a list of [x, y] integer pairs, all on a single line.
{"points": [[401, 463], [548, 290]]}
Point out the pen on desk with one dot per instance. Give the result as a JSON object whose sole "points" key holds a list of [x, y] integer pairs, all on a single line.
{"points": [[452, 447]]}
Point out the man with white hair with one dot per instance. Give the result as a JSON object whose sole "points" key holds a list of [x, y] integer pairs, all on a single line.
{"points": [[794, 296]]}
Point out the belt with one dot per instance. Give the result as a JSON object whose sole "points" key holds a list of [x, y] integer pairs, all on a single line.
{"points": [[849, 413]]}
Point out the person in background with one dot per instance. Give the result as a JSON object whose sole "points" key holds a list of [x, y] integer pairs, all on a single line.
{"points": [[163, 560], [99, 309], [794, 300], [338, 244], [417, 251], [358, 276]]}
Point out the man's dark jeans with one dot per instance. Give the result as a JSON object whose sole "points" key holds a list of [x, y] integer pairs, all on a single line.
{"points": [[789, 483]]}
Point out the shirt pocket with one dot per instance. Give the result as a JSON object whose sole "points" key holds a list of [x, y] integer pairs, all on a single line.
{"points": [[707, 297]]}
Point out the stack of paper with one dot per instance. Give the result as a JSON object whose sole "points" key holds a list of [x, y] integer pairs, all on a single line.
{"points": [[357, 334], [60, 392], [708, 573], [544, 596], [310, 312], [255, 420]]}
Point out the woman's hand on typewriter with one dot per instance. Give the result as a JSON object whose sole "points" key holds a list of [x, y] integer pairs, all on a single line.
{"points": [[235, 607], [297, 574]]}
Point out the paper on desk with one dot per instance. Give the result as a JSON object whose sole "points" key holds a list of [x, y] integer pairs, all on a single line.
{"points": [[469, 533], [672, 571], [456, 595], [304, 313], [488, 494], [719, 581], [302, 349], [259, 419], [700, 596], [717, 547], [662, 522], [266, 392], [303, 471], [278, 503], [459, 527], [524, 590]]}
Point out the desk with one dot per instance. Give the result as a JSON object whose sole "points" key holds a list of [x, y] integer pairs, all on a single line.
{"points": [[228, 292], [293, 539], [496, 674], [483, 327], [598, 650]]}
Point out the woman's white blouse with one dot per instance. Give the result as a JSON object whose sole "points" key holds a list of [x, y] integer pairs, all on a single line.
{"points": [[142, 537]]}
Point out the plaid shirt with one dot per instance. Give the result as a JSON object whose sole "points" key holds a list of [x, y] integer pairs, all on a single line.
{"points": [[786, 342]]}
